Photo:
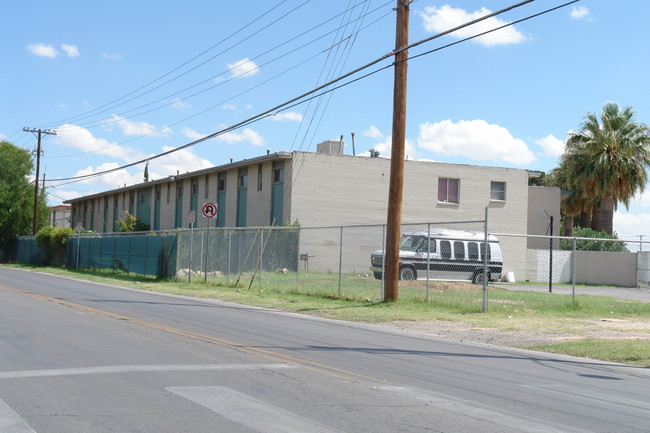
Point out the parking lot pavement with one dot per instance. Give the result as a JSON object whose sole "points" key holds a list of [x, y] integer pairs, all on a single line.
{"points": [[625, 293]]}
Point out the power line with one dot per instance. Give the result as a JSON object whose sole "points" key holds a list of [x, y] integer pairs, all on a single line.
{"points": [[301, 98]]}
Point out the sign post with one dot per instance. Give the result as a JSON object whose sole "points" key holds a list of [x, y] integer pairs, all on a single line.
{"points": [[191, 217], [208, 211]]}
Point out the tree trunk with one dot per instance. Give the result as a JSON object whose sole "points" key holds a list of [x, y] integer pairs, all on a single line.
{"points": [[604, 215], [568, 225], [585, 219]]}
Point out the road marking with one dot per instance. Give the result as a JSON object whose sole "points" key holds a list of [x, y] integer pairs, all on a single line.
{"points": [[266, 354], [250, 412], [136, 369], [11, 422], [478, 411]]}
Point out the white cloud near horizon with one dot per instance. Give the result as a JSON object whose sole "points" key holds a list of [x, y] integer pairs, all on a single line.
{"points": [[551, 145], [474, 139], [289, 116], [130, 127], [441, 19], [373, 132], [109, 56], [579, 12], [243, 68], [247, 134]]}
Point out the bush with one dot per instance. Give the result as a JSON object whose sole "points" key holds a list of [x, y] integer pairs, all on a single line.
{"points": [[593, 245], [53, 240]]}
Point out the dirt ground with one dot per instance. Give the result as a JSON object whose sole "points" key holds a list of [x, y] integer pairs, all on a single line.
{"points": [[458, 331]]}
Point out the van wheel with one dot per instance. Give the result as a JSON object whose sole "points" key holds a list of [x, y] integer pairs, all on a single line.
{"points": [[479, 277], [377, 275], [407, 273]]}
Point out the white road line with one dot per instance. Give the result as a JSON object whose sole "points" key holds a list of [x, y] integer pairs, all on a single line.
{"points": [[478, 411], [250, 412], [137, 368], [11, 422]]}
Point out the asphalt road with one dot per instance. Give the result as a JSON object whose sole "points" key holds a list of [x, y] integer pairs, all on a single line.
{"points": [[83, 357]]}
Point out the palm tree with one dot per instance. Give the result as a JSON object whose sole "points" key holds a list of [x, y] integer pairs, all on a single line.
{"points": [[607, 158]]}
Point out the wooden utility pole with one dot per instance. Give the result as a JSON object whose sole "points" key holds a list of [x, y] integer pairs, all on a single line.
{"points": [[40, 132], [394, 217]]}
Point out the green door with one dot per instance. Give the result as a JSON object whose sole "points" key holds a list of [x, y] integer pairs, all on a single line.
{"points": [[144, 206], [277, 194], [179, 204], [156, 209], [242, 196], [221, 200]]}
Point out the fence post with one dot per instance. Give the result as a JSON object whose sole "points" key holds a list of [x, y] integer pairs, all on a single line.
{"points": [[428, 258], [383, 261], [78, 244], [485, 262], [573, 272], [229, 250], [550, 259], [340, 259], [189, 269]]}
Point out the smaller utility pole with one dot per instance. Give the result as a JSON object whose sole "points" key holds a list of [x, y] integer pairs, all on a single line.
{"points": [[40, 132]]}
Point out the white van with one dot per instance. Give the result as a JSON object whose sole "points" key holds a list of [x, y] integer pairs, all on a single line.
{"points": [[449, 255]]}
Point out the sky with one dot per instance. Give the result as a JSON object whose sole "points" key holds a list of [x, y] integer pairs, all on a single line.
{"points": [[123, 81]]}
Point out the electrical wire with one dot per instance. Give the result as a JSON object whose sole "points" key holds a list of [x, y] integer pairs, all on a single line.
{"points": [[302, 98]]}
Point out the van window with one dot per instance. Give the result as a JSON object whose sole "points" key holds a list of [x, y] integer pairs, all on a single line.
{"points": [[432, 245], [410, 243], [459, 250], [472, 250], [445, 249], [483, 251]]}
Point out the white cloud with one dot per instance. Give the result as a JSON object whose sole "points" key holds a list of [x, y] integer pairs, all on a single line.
{"points": [[629, 226], [437, 20], [189, 133], [130, 127], [228, 107], [181, 105], [182, 161], [551, 145], [579, 12], [115, 179], [243, 68], [385, 148], [43, 50], [246, 135], [290, 116], [109, 56], [474, 139], [3, 136], [373, 132], [70, 50], [82, 139]]}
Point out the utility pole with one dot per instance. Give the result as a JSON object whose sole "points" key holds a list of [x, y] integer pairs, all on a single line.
{"points": [[396, 186], [40, 132]]}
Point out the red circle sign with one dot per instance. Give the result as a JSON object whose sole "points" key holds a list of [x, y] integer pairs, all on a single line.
{"points": [[209, 210]]}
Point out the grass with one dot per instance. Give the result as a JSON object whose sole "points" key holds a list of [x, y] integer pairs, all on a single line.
{"points": [[358, 298]]}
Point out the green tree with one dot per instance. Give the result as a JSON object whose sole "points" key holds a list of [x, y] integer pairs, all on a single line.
{"points": [[17, 193], [605, 163], [131, 224]]}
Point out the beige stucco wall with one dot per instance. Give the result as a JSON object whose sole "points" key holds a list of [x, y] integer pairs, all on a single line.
{"points": [[347, 190], [543, 202]]}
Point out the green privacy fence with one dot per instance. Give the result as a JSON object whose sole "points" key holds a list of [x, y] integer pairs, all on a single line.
{"points": [[142, 253]]}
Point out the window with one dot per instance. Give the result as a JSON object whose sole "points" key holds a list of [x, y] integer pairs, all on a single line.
{"points": [[157, 193], [169, 190], [179, 190], [445, 249], [278, 174], [459, 250], [472, 250], [221, 183], [242, 179], [498, 191], [195, 187], [259, 177], [448, 190]]}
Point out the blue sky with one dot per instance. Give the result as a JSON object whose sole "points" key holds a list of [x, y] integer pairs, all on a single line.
{"points": [[123, 81]]}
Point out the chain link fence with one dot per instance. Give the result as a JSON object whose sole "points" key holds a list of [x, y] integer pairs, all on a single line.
{"points": [[441, 262]]}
